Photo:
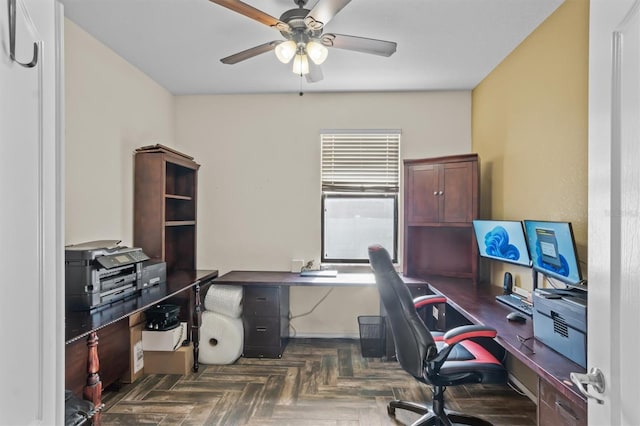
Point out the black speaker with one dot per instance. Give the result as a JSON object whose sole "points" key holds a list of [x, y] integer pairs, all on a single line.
{"points": [[507, 285]]}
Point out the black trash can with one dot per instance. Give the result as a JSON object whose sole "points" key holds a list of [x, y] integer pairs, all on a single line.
{"points": [[372, 336]]}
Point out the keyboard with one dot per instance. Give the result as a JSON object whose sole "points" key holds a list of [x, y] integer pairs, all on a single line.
{"points": [[327, 273], [516, 302]]}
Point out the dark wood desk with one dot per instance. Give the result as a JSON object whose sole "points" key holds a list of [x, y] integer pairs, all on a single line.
{"points": [[343, 279], [266, 304], [82, 364], [478, 305], [267, 299]]}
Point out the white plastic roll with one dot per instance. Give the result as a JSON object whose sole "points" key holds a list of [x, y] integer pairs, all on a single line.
{"points": [[225, 300], [221, 339]]}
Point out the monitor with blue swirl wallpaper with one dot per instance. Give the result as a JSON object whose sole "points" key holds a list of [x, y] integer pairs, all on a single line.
{"points": [[502, 240], [553, 250]]}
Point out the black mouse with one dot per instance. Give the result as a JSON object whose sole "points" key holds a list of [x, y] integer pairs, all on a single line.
{"points": [[516, 317]]}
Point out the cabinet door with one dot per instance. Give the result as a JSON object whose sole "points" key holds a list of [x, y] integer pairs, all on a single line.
{"points": [[422, 199], [457, 197]]}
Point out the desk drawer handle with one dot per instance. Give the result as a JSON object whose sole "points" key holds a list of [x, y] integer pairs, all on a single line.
{"points": [[568, 410], [261, 329], [261, 299]]}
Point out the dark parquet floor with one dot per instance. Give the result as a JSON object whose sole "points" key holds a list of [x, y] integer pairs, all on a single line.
{"points": [[317, 382]]}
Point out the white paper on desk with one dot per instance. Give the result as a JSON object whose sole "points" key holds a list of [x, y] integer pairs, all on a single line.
{"points": [[138, 357]]}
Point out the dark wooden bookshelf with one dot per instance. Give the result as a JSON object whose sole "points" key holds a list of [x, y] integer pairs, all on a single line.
{"points": [[165, 206]]}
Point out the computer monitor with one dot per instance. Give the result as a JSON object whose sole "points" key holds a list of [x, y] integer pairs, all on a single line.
{"points": [[502, 240], [553, 250]]}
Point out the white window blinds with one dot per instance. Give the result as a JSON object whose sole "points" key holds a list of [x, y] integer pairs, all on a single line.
{"points": [[360, 161]]}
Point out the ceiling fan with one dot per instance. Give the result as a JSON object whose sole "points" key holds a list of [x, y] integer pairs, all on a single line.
{"points": [[304, 38]]}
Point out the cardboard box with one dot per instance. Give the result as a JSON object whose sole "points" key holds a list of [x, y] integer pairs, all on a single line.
{"points": [[137, 318], [136, 355], [168, 340], [179, 361]]}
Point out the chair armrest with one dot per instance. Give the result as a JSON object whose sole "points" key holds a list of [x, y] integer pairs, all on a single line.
{"points": [[428, 300], [465, 332], [457, 335]]}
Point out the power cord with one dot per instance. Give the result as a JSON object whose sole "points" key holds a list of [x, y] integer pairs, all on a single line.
{"points": [[551, 282], [292, 317]]}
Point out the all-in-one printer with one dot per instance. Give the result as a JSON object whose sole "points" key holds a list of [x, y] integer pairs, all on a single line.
{"points": [[560, 321], [98, 273]]}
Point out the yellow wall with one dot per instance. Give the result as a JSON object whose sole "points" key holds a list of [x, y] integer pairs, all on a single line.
{"points": [[529, 126]]}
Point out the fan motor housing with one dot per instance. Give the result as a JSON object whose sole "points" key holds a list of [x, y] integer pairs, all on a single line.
{"points": [[295, 19]]}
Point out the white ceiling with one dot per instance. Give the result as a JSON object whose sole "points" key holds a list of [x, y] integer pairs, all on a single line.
{"points": [[442, 44]]}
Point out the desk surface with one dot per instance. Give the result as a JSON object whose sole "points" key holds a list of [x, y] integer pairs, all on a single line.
{"points": [[81, 324], [343, 279], [478, 304]]}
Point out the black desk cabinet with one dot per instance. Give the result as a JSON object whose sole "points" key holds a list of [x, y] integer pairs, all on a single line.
{"points": [[266, 303], [266, 321]]}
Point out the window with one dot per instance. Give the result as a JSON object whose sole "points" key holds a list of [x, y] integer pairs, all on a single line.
{"points": [[360, 180]]}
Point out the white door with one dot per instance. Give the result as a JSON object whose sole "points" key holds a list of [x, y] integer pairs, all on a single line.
{"points": [[614, 209], [31, 250]]}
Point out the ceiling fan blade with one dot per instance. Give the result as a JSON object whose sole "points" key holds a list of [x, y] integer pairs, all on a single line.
{"points": [[360, 44], [325, 10], [315, 73], [249, 53], [253, 13]]}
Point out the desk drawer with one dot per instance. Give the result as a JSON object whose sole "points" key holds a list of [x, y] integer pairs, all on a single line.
{"points": [[261, 331], [263, 337], [262, 301], [554, 409]]}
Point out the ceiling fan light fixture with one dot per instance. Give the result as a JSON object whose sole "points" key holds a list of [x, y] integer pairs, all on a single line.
{"points": [[301, 65], [317, 52], [286, 50]]}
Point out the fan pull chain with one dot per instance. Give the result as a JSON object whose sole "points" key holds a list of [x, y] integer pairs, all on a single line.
{"points": [[301, 92]]}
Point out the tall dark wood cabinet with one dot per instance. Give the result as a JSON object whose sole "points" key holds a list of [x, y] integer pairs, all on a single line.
{"points": [[165, 195], [441, 198]]}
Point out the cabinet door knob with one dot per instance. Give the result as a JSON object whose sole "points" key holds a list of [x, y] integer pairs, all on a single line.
{"points": [[435, 192], [441, 192]]}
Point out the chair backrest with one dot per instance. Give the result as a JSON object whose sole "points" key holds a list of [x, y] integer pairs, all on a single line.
{"points": [[413, 341]]}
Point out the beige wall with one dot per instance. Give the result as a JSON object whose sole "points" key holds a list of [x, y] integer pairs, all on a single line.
{"points": [[111, 109], [259, 184], [529, 126], [259, 195], [259, 192]]}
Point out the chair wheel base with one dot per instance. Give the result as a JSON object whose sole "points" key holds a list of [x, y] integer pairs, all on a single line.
{"points": [[429, 417]]}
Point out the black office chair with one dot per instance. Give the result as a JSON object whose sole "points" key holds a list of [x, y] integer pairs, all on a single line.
{"points": [[418, 353]]}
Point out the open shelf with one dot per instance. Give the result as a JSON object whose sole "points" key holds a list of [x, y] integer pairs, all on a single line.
{"points": [[178, 197], [165, 206], [180, 223]]}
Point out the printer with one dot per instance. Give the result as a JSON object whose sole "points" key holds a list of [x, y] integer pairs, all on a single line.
{"points": [[98, 273], [560, 321]]}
